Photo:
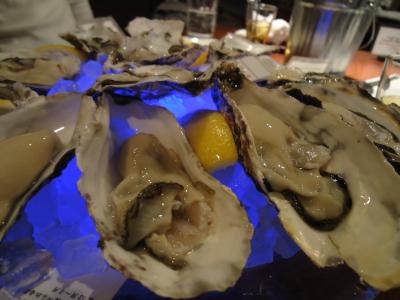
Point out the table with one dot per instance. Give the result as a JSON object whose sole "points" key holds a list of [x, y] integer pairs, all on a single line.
{"points": [[364, 64]]}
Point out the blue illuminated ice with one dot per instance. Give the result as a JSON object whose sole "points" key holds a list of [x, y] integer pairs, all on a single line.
{"points": [[269, 236], [87, 76], [183, 105], [80, 256], [60, 220], [22, 229], [63, 226]]}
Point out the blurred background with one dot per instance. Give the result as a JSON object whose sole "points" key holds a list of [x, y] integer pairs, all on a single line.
{"points": [[231, 13]]}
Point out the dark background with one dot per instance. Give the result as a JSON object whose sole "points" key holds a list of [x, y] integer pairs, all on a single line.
{"points": [[230, 12]]}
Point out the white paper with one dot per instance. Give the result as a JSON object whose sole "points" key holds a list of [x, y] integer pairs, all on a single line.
{"points": [[308, 64], [100, 286], [257, 67], [387, 41]]}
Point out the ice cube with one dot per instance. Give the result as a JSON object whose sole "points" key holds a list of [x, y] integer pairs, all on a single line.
{"points": [[91, 68], [264, 238], [87, 227], [262, 247], [20, 230], [41, 210], [285, 246], [54, 236], [71, 207], [63, 86], [79, 257]]}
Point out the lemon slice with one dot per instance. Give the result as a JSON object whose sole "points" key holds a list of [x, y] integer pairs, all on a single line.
{"points": [[201, 59], [6, 106], [212, 140], [61, 48]]}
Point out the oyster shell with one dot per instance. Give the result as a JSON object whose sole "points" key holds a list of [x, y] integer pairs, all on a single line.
{"points": [[15, 95], [162, 219], [154, 36], [102, 37], [355, 106], [177, 56], [159, 80], [41, 70], [35, 142], [313, 165], [149, 41]]}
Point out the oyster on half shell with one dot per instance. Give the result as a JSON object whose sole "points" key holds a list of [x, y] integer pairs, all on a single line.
{"points": [[336, 193], [35, 143], [159, 80], [380, 123], [14, 95], [38, 69], [162, 219]]}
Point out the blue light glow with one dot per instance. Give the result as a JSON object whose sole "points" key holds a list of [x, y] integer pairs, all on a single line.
{"points": [[89, 71], [183, 105], [262, 215], [59, 216]]}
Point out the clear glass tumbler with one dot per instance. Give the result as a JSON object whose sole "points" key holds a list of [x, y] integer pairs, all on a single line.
{"points": [[259, 17], [201, 18], [328, 31]]}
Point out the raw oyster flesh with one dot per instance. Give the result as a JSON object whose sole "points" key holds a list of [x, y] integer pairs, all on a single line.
{"points": [[337, 194], [379, 122], [35, 142], [15, 94], [162, 219]]}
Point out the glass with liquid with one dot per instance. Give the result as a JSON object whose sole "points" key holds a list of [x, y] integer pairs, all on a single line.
{"points": [[201, 18], [328, 32], [259, 17]]}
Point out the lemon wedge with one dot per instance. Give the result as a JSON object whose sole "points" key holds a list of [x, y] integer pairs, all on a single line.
{"points": [[61, 48], [211, 139], [6, 106], [201, 59]]}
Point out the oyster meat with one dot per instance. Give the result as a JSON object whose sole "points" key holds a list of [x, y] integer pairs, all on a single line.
{"points": [[336, 193], [15, 94], [35, 142], [354, 106], [162, 219]]}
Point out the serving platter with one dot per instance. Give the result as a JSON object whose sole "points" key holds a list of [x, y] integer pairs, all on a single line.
{"points": [[57, 222]]}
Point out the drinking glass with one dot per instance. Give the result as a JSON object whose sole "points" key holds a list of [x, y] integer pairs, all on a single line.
{"points": [[328, 32], [201, 18], [259, 17]]}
